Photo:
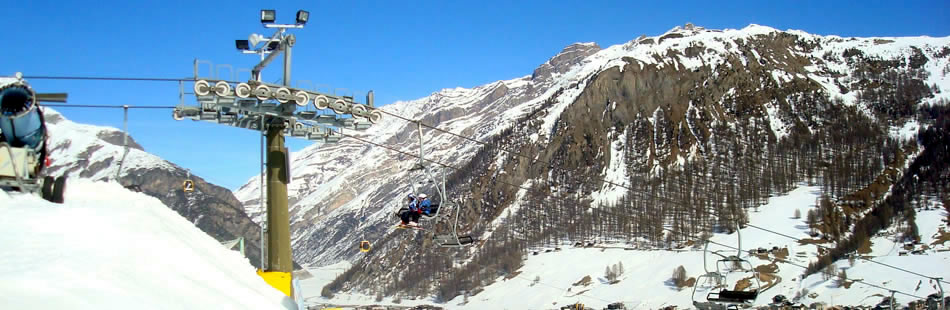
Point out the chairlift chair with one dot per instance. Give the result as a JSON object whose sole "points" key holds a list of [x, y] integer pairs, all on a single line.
{"points": [[188, 185], [452, 239], [720, 296]]}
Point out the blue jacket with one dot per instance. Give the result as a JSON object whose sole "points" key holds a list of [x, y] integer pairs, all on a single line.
{"points": [[425, 205], [413, 206]]}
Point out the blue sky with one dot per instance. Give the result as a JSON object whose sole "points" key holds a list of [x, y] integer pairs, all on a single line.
{"points": [[401, 49]]}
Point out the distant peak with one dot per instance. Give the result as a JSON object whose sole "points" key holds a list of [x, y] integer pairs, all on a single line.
{"points": [[756, 29], [569, 56]]}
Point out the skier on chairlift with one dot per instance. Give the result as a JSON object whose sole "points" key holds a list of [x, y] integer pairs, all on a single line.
{"points": [[410, 213], [425, 205]]}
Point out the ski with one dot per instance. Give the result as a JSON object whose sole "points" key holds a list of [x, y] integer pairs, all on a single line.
{"points": [[401, 226]]}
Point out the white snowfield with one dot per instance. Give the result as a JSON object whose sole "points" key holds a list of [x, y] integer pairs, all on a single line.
{"points": [[110, 248], [645, 283]]}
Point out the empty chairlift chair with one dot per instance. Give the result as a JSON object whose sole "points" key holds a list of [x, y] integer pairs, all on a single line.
{"points": [[723, 291]]}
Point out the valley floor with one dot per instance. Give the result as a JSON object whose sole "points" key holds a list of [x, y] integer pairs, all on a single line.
{"points": [[551, 280]]}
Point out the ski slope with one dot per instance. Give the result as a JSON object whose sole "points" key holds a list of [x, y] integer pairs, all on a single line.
{"points": [[110, 248], [645, 283]]}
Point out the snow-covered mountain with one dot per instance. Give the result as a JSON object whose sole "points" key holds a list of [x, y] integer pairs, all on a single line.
{"points": [[336, 185], [82, 151], [107, 247], [707, 114]]}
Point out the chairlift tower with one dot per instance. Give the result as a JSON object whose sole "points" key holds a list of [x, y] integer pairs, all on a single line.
{"points": [[277, 110]]}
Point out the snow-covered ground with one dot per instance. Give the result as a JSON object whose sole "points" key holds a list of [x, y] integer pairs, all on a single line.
{"points": [[645, 283], [110, 248]]}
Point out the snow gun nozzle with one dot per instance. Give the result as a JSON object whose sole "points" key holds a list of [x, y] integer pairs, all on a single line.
{"points": [[16, 100]]}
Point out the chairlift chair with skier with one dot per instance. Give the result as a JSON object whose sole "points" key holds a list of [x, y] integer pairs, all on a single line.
{"points": [[423, 208]]}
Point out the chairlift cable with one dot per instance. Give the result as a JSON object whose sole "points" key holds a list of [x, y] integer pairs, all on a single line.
{"points": [[108, 106], [111, 78]]}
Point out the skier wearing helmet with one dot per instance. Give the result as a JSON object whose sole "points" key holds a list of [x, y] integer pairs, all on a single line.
{"points": [[410, 213], [425, 205]]}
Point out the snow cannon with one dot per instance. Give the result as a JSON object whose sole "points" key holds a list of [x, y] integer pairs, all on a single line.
{"points": [[23, 141], [21, 122]]}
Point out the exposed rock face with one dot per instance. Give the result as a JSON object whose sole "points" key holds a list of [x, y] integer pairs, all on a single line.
{"points": [[571, 55]]}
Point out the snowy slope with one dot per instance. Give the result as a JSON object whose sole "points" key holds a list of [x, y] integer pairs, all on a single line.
{"points": [[109, 248], [645, 282], [82, 151]]}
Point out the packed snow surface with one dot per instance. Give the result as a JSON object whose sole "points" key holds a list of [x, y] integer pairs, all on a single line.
{"points": [[110, 248]]}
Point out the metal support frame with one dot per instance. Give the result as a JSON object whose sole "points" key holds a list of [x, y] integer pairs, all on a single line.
{"points": [[24, 181], [125, 140], [263, 177], [941, 302], [892, 299]]}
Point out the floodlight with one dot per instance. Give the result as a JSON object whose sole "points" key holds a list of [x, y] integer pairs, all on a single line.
{"points": [[268, 16], [242, 45], [302, 17], [272, 45], [255, 38]]}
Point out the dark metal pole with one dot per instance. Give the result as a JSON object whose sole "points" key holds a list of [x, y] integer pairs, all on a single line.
{"points": [[278, 220]]}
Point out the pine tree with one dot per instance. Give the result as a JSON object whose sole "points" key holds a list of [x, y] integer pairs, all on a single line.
{"points": [[812, 220], [609, 274], [842, 277], [679, 277]]}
